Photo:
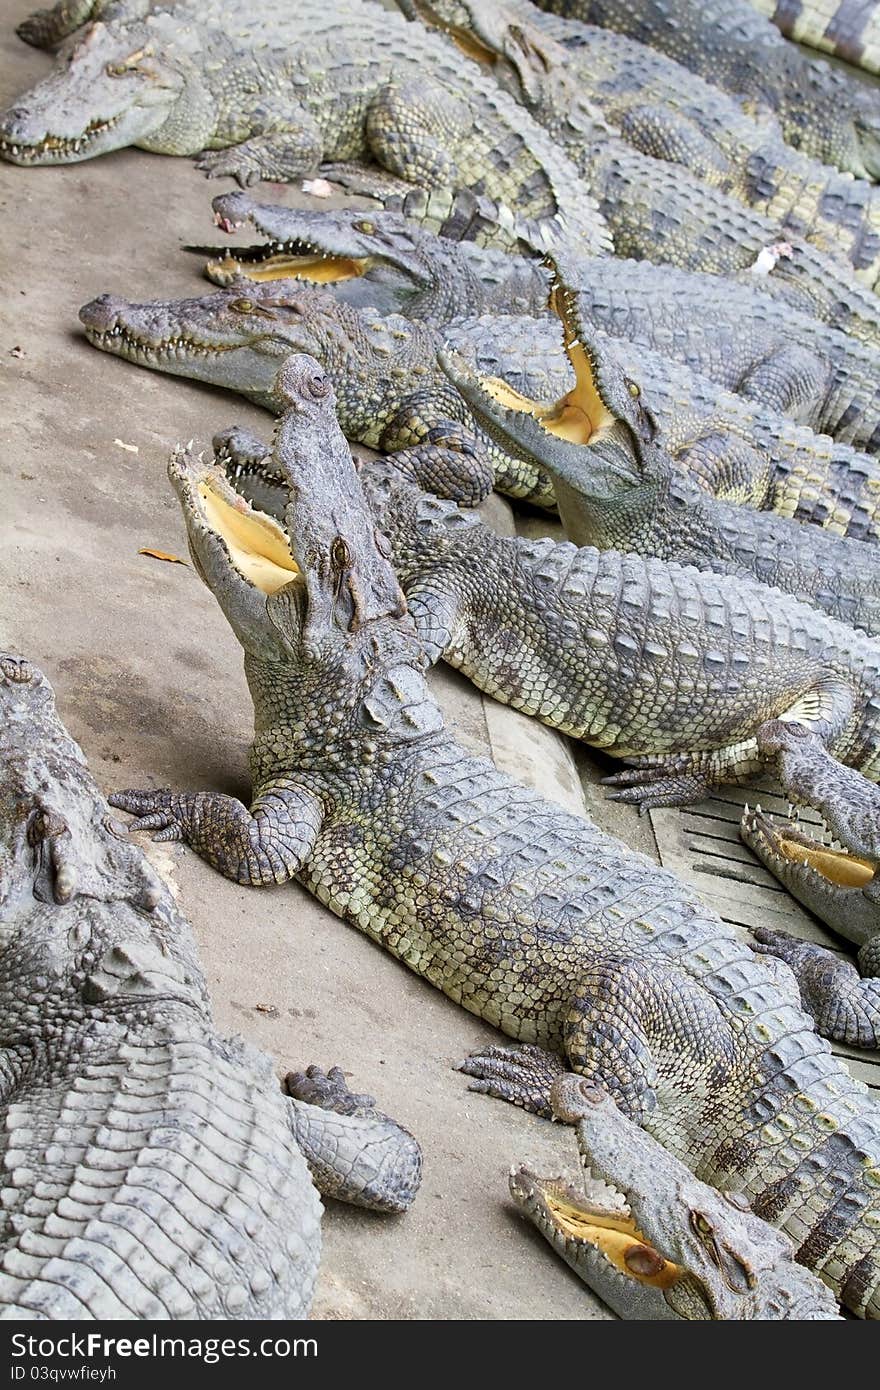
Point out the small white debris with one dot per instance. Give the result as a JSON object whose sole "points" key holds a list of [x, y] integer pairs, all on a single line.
{"points": [[770, 256], [319, 188], [131, 448]]}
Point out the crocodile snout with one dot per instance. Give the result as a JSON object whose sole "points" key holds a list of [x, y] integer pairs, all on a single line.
{"points": [[101, 314]]}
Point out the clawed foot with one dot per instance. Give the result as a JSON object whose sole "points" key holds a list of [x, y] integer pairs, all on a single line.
{"points": [[652, 787], [161, 810], [328, 1090], [232, 164], [521, 1074]]}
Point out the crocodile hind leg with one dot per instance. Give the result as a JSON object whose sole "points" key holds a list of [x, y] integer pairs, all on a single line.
{"points": [[680, 778], [267, 843], [728, 467], [521, 1074], [355, 1152], [624, 1023], [411, 128], [843, 1000], [792, 381]]}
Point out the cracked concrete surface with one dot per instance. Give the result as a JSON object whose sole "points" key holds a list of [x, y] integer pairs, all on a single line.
{"points": [[148, 679]]}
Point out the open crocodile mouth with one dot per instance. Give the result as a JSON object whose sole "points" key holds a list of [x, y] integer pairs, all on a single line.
{"points": [[280, 260], [786, 841], [55, 146], [580, 416], [604, 1222], [256, 544]]}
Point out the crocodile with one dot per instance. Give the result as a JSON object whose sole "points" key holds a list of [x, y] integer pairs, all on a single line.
{"points": [[257, 104], [617, 486], [821, 112], [560, 633], [851, 32], [522, 912], [375, 259], [391, 393], [649, 1238], [564, 73], [728, 445], [152, 1168]]}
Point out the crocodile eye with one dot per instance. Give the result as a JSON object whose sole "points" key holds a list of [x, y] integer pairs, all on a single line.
{"points": [[318, 387], [368, 228], [633, 390], [700, 1224], [116, 69], [243, 306], [339, 554]]}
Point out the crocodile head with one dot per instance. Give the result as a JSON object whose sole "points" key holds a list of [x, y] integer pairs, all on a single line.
{"points": [[313, 600], [650, 1238], [321, 248], [122, 84], [498, 36], [599, 441], [237, 337], [831, 867]]}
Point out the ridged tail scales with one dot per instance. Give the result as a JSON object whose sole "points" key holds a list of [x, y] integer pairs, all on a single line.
{"points": [[162, 1181]]}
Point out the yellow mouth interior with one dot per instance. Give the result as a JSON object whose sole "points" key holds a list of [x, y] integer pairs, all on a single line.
{"points": [[580, 416], [318, 270], [617, 1238], [256, 543], [845, 870]]}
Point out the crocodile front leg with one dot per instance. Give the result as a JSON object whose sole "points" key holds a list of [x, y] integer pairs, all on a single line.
{"points": [[267, 844], [439, 617], [355, 1152], [283, 144], [444, 458], [682, 778]]}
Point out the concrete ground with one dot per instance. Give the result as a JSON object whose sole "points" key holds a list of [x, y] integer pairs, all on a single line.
{"points": [[148, 678]]}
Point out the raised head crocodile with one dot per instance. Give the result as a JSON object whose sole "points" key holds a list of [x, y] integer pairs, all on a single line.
{"points": [[564, 73], [378, 259], [697, 690], [153, 1169], [527, 915], [739, 338], [251, 95], [651, 1239], [617, 487], [726, 42], [390, 391]]}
